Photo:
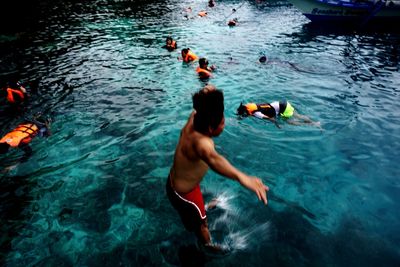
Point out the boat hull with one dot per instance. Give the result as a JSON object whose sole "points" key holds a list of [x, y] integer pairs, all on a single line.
{"points": [[318, 11]]}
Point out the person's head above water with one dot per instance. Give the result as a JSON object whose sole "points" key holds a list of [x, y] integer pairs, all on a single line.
{"points": [[203, 63], [169, 40], [209, 106], [263, 59], [184, 52], [242, 110]]}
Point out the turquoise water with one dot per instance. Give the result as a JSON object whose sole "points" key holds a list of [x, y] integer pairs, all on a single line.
{"points": [[93, 193]]}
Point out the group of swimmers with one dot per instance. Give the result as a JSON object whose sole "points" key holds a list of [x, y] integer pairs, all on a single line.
{"points": [[195, 152], [16, 96], [269, 111]]}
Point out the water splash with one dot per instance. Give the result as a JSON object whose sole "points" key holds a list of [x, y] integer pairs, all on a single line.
{"points": [[231, 230], [249, 237]]}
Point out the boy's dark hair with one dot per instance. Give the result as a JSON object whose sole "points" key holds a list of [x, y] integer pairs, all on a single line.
{"points": [[4, 148], [203, 61], [169, 38], [242, 110], [209, 106], [185, 50], [263, 59]]}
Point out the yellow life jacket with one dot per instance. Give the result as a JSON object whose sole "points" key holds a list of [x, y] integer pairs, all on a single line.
{"points": [[22, 134]]}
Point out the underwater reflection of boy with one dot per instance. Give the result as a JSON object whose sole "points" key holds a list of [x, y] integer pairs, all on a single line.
{"points": [[188, 55], [170, 44], [194, 154], [23, 134], [203, 69], [270, 111]]}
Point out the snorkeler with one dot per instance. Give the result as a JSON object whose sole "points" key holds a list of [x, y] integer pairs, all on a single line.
{"points": [[188, 55], [170, 44], [14, 94], [23, 134], [270, 111], [194, 155], [265, 60], [203, 70]]}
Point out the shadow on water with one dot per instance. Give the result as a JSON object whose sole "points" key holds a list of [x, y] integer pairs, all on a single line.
{"points": [[15, 198]]}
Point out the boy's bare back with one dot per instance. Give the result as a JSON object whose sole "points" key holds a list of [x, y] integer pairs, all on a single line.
{"points": [[188, 168]]}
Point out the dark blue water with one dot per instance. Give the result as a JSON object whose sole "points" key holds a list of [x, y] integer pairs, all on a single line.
{"points": [[93, 193]]}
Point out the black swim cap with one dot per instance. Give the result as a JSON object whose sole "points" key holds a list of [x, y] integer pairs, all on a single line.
{"points": [[241, 110], [262, 59]]}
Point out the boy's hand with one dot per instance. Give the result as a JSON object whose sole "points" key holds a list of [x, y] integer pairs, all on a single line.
{"points": [[256, 185]]}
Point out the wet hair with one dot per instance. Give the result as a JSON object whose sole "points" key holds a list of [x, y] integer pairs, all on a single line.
{"points": [[242, 110], [185, 50], [169, 38], [263, 59], [203, 61], [209, 106], [4, 148]]}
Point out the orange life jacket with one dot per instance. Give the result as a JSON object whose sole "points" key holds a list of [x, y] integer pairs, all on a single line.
{"points": [[202, 14], [172, 45], [251, 108], [22, 134], [10, 95], [203, 72], [190, 56]]}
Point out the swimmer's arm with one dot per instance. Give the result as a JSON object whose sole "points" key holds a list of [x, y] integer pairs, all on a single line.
{"points": [[219, 164], [259, 115]]}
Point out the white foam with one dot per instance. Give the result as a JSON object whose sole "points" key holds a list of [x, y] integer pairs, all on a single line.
{"points": [[246, 238]]}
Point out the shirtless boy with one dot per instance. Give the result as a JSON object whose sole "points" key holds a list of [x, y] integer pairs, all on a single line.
{"points": [[194, 155]]}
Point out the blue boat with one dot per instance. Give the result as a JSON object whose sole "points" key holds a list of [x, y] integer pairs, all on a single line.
{"points": [[356, 12]]}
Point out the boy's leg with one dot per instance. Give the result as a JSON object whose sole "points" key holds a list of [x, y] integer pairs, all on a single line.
{"points": [[204, 238], [203, 234]]}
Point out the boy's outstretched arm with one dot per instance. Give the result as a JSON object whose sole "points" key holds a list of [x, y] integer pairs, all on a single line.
{"points": [[206, 151]]}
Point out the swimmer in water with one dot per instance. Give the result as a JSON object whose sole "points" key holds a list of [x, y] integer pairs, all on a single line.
{"points": [[233, 22], [188, 55], [23, 134], [204, 70], [15, 94], [170, 44], [265, 60], [271, 111]]}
